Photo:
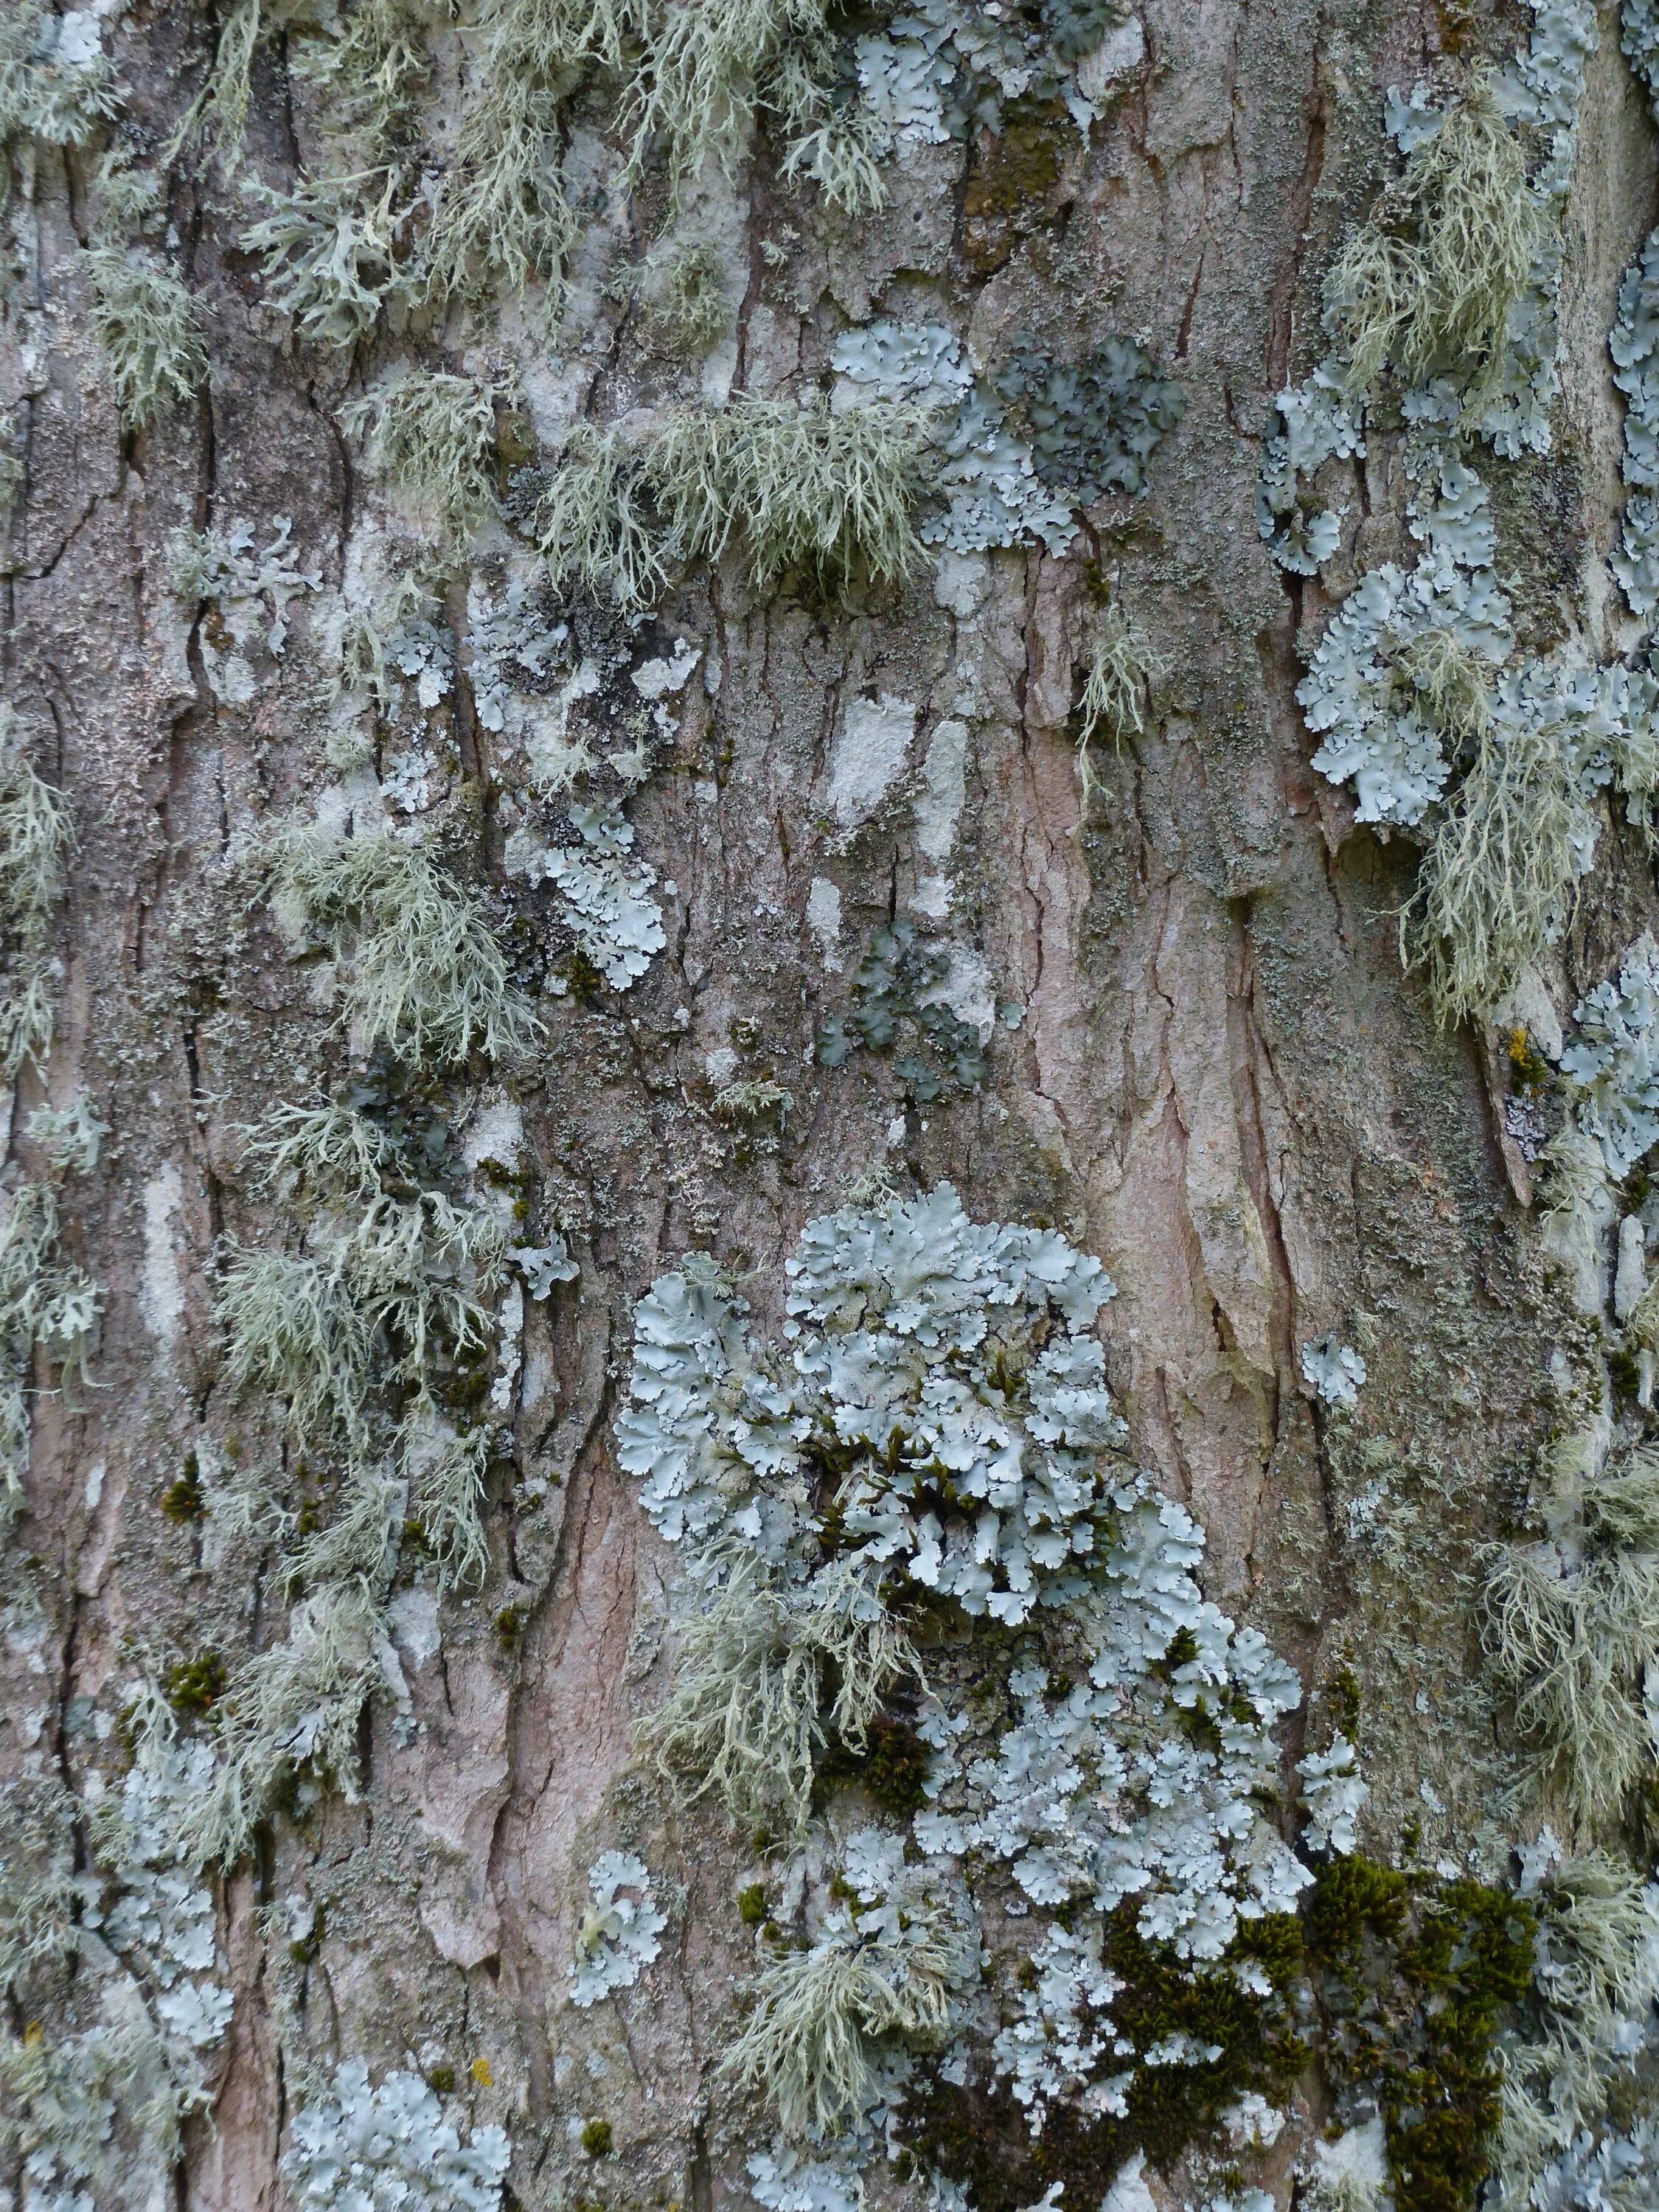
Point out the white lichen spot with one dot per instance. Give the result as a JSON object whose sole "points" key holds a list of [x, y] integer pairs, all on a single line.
{"points": [[161, 1298], [1333, 1791], [1129, 2191], [1352, 2173], [938, 808], [660, 679], [869, 756], [823, 919]]}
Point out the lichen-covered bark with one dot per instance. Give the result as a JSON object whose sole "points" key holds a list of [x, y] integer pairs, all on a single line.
{"points": [[1204, 1064]]}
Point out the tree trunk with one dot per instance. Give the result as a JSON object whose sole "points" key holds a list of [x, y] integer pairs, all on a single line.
{"points": [[1145, 991]]}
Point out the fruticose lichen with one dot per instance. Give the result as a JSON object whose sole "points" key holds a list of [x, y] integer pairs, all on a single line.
{"points": [[423, 975], [35, 838], [57, 84], [1117, 690], [48, 1306], [788, 485], [330, 253], [147, 324], [1452, 286], [433, 434]]}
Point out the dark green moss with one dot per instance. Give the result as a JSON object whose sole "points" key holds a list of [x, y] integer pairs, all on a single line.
{"points": [[1413, 1973], [596, 2138], [194, 1686], [304, 1948], [751, 1905], [1342, 1695], [441, 2079], [978, 2136], [182, 1501], [584, 980], [892, 1768], [1625, 1373]]}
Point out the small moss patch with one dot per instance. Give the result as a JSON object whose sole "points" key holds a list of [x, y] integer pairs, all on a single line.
{"points": [[1413, 1972], [978, 2136], [195, 1686]]}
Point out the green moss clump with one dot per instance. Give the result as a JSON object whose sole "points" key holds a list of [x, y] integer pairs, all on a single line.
{"points": [[441, 2079], [751, 1905], [1413, 1972], [195, 1686], [892, 1767], [303, 1949], [1342, 1694], [1529, 1071], [596, 2138], [979, 2138], [182, 1501]]}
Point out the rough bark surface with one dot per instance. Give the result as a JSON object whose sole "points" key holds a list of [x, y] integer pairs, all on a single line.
{"points": [[1211, 1073]]}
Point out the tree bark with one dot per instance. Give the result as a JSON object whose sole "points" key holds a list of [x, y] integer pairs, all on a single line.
{"points": [[1205, 1065]]}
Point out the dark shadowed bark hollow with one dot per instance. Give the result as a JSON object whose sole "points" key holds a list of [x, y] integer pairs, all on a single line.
{"points": [[611, 933]]}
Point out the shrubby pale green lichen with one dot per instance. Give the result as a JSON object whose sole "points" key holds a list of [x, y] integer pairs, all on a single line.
{"points": [[424, 973], [1426, 286], [433, 434], [1117, 690], [767, 1671], [788, 485], [1436, 276], [147, 324], [57, 84], [1573, 1622], [331, 251], [35, 837], [890, 1951], [383, 1277], [1502, 765]]}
